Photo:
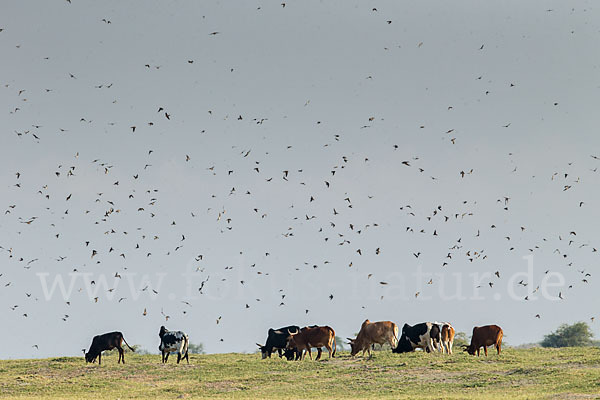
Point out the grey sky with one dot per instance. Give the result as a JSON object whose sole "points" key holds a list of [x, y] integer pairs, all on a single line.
{"points": [[508, 90]]}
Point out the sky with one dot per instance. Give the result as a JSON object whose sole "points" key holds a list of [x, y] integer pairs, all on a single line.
{"points": [[223, 168]]}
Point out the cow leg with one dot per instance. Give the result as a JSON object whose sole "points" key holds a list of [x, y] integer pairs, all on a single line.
{"points": [[498, 345], [485, 350], [319, 352], [187, 357], [100, 358], [430, 345], [279, 352], [478, 352], [329, 349], [309, 353], [167, 356], [178, 357], [121, 355]]}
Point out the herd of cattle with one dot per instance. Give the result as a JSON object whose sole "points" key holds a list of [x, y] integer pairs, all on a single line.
{"points": [[294, 342]]}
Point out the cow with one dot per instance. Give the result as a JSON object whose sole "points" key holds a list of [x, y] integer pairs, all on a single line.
{"points": [[447, 337], [484, 336], [374, 332], [418, 336], [107, 341], [308, 337], [277, 340], [173, 341]]}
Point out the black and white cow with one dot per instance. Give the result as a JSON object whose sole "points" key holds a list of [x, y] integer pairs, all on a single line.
{"points": [[422, 335], [173, 341], [277, 340]]}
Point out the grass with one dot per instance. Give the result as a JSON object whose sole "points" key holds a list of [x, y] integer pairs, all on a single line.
{"points": [[568, 373]]}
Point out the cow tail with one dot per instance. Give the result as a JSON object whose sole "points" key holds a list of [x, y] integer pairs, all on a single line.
{"points": [[334, 346], [130, 348]]}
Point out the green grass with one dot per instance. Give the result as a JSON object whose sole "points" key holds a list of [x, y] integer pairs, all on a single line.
{"points": [[515, 374]]}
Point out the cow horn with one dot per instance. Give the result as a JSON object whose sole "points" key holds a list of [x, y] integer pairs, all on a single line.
{"points": [[259, 345], [350, 339], [290, 332]]}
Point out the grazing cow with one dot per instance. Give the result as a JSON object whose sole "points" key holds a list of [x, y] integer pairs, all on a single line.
{"points": [[317, 336], [173, 341], [447, 337], [107, 341], [484, 336], [419, 336], [277, 340], [374, 332]]}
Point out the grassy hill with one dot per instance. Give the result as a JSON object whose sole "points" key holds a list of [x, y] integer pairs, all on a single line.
{"points": [[515, 374]]}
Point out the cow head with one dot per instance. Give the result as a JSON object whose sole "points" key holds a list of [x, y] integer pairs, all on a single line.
{"points": [[353, 346], [291, 340], [469, 349], [162, 332], [263, 350], [89, 357], [404, 345]]}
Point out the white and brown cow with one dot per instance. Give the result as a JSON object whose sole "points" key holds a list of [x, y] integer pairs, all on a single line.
{"points": [[173, 341], [374, 332], [447, 337]]}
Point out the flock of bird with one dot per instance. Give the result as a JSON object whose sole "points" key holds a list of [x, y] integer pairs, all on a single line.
{"points": [[327, 202]]}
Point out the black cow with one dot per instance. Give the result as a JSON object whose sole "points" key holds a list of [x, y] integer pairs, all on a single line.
{"points": [[277, 340], [421, 336], [173, 341], [107, 341]]}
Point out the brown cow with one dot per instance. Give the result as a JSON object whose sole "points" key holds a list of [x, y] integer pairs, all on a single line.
{"points": [[447, 338], [319, 336], [484, 336], [374, 332]]}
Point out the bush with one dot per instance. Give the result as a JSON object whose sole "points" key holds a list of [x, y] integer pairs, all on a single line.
{"points": [[196, 348], [460, 339], [577, 335]]}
